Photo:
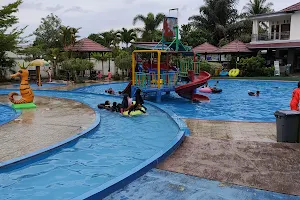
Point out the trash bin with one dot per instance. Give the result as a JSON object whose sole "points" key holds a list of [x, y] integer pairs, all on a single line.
{"points": [[288, 126]]}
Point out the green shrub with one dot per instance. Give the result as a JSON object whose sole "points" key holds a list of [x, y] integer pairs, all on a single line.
{"points": [[255, 66], [210, 67]]}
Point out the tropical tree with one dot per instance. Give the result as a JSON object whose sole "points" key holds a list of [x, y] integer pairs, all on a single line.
{"points": [[9, 37], [220, 18], [76, 65], [256, 7], [151, 23], [101, 57], [48, 33], [108, 38], [193, 36], [126, 36], [123, 61], [69, 35]]}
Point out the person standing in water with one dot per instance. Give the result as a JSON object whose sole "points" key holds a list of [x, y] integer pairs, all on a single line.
{"points": [[294, 104]]}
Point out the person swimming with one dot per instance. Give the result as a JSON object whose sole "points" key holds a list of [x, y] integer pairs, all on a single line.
{"points": [[294, 104], [253, 94], [116, 107], [105, 105], [110, 91]]}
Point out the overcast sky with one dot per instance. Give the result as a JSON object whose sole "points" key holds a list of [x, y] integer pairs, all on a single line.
{"points": [[101, 15]]}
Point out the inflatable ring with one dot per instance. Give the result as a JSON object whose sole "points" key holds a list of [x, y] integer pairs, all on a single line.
{"points": [[135, 112], [234, 72], [223, 73], [205, 90], [216, 90]]}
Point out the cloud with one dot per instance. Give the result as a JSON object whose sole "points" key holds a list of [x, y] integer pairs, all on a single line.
{"points": [[54, 9], [98, 15], [76, 9]]}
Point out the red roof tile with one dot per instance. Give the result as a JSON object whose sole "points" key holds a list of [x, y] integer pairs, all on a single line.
{"points": [[87, 45], [205, 48], [292, 8], [235, 46], [274, 45]]}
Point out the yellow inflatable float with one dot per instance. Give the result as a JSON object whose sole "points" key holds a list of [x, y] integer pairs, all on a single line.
{"points": [[234, 72], [135, 112]]}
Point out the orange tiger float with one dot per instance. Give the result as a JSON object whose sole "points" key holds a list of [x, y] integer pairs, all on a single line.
{"points": [[25, 90]]}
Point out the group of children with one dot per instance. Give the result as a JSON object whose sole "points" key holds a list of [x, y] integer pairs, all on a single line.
{"points": [[126, 105]]}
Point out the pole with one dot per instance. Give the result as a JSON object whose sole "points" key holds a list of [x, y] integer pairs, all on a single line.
{"points": [[158, 69], [133, 68]]}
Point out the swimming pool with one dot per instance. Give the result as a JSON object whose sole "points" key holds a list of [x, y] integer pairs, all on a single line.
{"points": [[233, 103], [6, 114], [117, 146]]}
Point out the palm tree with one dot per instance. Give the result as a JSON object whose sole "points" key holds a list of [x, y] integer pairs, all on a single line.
{"points": [[101, 57], [65, 33], [73, 35], [126, 36], [220, 18], [69, 35], [256, 7], [151, 23]]}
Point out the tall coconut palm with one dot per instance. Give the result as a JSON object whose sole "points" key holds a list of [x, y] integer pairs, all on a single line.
{"points": [[151, 23], [69, 35], [219, 17], [256, 7], [73, 35], [126, 35]]}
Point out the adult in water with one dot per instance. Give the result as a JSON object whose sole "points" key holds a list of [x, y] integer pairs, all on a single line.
{"points": [[138, 102], [294, 104]]}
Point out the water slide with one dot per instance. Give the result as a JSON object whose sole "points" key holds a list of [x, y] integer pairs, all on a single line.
{"points": [[127, 90], [188, 90]]}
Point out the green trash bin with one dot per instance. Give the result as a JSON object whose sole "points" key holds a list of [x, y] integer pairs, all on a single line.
{"points": [[288, 126]]}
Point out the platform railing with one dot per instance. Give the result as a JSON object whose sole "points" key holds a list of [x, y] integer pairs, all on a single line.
{"points": [[150, 80]]}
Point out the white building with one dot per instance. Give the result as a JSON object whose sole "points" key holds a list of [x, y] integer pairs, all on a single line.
{"points": [[281, 40]]}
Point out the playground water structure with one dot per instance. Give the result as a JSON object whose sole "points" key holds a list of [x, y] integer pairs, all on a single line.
{"points": [[159, 81], [233, 104], [116, 151]]}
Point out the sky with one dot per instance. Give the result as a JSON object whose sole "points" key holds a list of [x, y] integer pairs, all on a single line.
{"points": [[95, 16]]}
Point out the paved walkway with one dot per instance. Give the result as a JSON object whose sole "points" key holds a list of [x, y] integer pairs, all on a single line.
{"points": [[53, 120], [163, 185], [218, 154], [260, 132]]}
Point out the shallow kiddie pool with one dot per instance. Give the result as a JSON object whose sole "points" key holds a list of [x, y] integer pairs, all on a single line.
{"points": [[233, 103], [117, 146]]}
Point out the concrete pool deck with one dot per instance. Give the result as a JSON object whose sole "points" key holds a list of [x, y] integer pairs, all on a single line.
{"points": [[53, 120], [239, 157]]}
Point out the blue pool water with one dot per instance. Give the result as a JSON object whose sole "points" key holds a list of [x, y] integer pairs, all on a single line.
{"points": [[115, 147], [6, 114], [233, 103], [45, 85]]}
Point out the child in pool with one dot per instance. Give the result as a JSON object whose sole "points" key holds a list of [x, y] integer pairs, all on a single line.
{"points": [[253, 94], [105, 105], [110, 91], [294, 104]]}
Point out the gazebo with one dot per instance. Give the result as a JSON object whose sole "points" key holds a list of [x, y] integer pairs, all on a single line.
{"points": [[205, 49], [86, 45], [234, 47]]}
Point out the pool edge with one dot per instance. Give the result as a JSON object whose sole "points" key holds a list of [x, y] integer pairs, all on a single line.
{"points": [[47, 149], [17, 114]]}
